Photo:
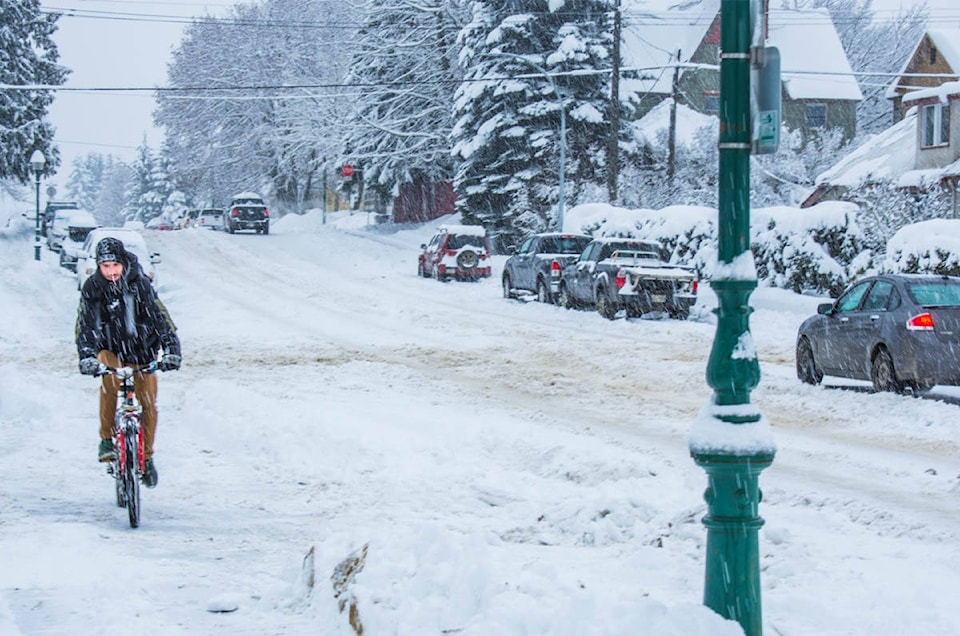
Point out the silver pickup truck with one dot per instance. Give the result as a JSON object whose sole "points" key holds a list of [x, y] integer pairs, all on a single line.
{"points": [[633, 275]]}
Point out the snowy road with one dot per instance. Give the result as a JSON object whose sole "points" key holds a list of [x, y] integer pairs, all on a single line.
{"points": [[330, 398]]}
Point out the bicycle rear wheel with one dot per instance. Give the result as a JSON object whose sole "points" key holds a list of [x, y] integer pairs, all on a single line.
{"points": [[131, 485]]}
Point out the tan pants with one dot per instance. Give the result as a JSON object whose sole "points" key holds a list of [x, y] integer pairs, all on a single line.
{"points": [[144, 387]]}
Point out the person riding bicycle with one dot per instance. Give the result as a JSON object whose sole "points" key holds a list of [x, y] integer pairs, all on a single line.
{"points": [[121, 322]]}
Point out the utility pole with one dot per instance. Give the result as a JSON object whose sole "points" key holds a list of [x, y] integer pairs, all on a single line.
{"points": [[731, 440], [613, 140], [672, 135]]}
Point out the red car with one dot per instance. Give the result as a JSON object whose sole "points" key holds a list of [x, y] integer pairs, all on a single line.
{"points": [[456, 251]]}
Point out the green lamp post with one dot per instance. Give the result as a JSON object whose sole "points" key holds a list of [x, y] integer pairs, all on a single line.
{"points": [[730, 439], [37, 162]]}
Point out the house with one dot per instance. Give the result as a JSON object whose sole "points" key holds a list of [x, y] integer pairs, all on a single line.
{"points": [[819, 90], [919, 155], [934, 61]]}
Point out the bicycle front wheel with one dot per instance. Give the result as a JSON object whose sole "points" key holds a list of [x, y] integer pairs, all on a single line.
{"points": [[131, 485]]}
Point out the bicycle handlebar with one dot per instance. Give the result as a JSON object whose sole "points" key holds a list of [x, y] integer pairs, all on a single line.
{"points": [[127, 372]]}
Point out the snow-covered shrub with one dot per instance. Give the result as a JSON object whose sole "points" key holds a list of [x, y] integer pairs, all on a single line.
{"points": [[928, 247], [798, 249], [810, 248]]}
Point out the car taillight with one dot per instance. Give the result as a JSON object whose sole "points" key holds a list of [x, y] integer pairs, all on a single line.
{"points": [[694, 286], [555, 268], [234, 212], [266, 213], [921, 322], [621, 279]]}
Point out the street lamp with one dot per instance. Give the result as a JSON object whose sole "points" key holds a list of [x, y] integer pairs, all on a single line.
{"points": [[37, 161], [563, 128]]}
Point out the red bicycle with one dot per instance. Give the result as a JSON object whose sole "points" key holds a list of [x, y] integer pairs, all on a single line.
{"points": [[127, 465]]}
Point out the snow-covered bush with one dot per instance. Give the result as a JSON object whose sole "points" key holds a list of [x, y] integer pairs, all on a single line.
{"points": [[927, 247], [798, 249]]}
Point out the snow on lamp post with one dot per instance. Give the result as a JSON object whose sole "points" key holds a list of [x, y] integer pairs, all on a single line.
{"points": [[563, 128], [37, 161], [730, 439]]}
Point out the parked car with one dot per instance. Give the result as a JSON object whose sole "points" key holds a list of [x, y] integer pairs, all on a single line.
{"points": [[537, 266], [132, 240], [79, 225], [211, 218], [456, 251], [160, 223], [900, 332], [247, 211], [629, 274], [58, 228]]}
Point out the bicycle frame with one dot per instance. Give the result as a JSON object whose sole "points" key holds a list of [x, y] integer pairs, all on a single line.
{"points": [[128, 465]]}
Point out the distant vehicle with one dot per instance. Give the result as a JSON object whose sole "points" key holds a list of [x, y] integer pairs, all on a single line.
{"points": [[537, 266], [187, 219], [456, 251], [159, 223], [132, 240], [900, 332], [50, 210], [57, 230], [79, 225], [629, 274], [211, 218], [247, 211]]}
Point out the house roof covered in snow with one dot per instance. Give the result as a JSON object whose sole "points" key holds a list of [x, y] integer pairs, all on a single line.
{"points": [[884, 157], [813, 62]]}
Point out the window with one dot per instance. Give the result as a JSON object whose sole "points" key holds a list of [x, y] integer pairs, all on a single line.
{"points": [[936, 125], [711, 102], [933, 55], [878, 297], [851, 300], [816, 115]]}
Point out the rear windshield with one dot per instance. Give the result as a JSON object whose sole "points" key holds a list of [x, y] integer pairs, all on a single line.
{"points": [[456, 241], [564, 244], [936, 294], [78, 234]]}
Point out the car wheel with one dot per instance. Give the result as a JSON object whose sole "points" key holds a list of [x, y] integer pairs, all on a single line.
{"points": [[507, 293], [543, 294], [807, 369], [436, 275], [633, 311], [420, 272], [883, 375], [266, 228], [566, 300], [605, 308]]}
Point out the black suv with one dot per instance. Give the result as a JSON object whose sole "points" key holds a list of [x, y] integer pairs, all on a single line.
{"points": [[247, 211]]}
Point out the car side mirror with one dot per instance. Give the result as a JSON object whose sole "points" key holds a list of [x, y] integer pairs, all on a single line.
{"points": [[155, 258], [825, 308]]}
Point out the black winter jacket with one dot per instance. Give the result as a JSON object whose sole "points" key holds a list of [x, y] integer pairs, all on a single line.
{"points": [[125, 317]]}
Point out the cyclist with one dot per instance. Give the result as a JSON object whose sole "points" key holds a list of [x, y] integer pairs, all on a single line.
{"points": [[121, 322]]}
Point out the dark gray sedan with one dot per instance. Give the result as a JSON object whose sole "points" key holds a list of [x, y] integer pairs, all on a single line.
{"points": [[901, 332]]}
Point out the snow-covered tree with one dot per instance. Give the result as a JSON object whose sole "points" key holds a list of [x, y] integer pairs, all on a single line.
{"points": [[28, 57], [405, 72], [520, 61], [875, 45], [256, 94]]}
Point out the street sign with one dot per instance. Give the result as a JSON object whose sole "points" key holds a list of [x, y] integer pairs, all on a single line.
{"points": [[347, 170]]}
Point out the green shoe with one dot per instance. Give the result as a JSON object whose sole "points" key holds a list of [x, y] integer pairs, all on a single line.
{"points": [[149, 474], [106, 452]]}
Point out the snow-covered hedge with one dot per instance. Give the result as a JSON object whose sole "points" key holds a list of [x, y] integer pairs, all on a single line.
{"points": [[929, 246], [820, 248]]}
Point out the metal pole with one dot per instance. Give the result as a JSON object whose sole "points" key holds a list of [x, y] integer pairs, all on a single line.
{"points": [[36, 225], [732, 442], [563, 129]]}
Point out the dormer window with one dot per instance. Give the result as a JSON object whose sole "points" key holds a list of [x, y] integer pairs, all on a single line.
{"points": [[935, 122]]}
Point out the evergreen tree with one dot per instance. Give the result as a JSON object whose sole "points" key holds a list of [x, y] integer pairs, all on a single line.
{"points": [[507, 131], [28, 57]]}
